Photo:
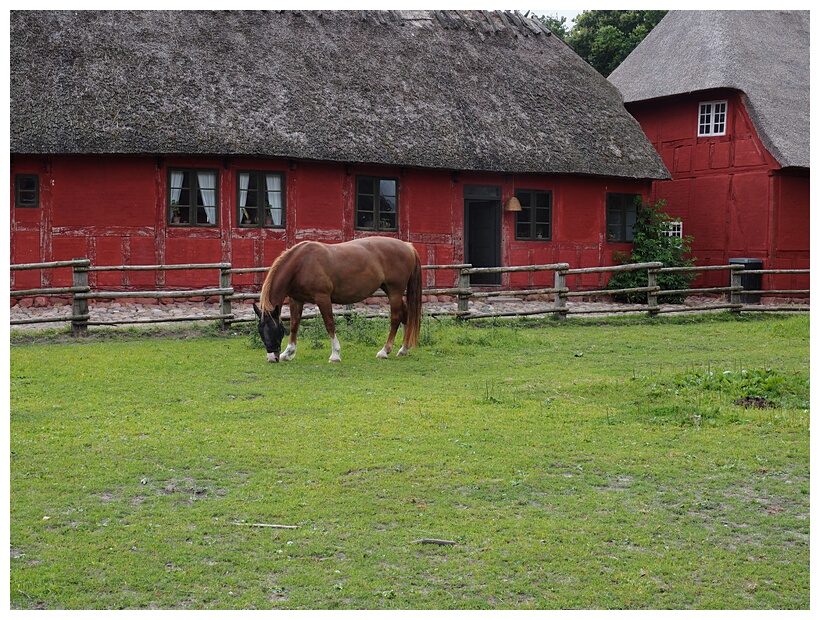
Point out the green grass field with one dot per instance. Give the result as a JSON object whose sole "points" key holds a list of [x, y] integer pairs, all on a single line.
{"points": [[581, 465]]}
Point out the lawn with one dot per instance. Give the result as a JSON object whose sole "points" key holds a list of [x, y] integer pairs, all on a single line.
{"points": [[613, 464]]}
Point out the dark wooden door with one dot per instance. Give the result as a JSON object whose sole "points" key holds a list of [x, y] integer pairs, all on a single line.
{"points": [[482, 238]]}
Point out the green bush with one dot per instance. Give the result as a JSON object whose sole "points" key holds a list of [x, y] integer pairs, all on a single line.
{"points": [[651, 243]]}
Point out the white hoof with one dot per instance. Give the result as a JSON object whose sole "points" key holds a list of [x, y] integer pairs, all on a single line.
{"points": [[288, 354], [335, 358], [382, 355], [272, 357], [402, 352]]}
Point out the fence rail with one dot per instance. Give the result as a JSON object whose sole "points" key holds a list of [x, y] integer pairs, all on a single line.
{"points": [[81, 292]]}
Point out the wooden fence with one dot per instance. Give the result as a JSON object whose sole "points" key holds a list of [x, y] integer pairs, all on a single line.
{"points": [[81, 292]]}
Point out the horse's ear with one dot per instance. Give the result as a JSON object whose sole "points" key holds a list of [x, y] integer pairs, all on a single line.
{"points": [[257, 311]]}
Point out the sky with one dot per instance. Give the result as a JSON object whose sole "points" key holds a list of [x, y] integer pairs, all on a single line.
{"points": [[569, 14]]}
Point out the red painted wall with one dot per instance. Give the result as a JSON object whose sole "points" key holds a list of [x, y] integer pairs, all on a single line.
{"points": [[728, 190], [113, 211]]}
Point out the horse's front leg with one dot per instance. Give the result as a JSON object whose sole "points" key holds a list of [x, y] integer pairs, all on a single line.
{"points": [[326, 308], [295, 318]]}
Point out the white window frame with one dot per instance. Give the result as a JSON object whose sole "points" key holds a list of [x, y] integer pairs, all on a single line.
{"points": [[712, 118], [673, 228]]}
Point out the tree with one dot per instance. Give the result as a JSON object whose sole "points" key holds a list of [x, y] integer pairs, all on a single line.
{"points": [[652, 243], [558, 25], [605, 38]]}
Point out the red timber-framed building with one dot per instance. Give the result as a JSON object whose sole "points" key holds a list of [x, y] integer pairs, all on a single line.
{"points": [[184, 139], [724, 98]]}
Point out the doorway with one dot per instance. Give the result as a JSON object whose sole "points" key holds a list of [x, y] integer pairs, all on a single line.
{"points": [[482, 235]]}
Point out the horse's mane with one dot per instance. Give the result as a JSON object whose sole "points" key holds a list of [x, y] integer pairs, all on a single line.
{"points": [[265, 303]]}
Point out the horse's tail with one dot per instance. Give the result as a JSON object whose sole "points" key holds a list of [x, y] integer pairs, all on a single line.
{"points": [[413, 324]]}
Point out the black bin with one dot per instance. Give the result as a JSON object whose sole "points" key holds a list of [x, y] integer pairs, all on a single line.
{"points": [[752, 281]]}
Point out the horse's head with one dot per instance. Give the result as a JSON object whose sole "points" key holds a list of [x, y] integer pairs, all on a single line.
{"points": [[271, 330]]}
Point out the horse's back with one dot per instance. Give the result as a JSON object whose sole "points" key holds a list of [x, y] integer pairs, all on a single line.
{"points": [[353, 270], [388, 248]]}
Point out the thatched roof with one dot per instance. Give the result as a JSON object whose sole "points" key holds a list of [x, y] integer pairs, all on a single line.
{"points": [[764, 54], [453, 90]]}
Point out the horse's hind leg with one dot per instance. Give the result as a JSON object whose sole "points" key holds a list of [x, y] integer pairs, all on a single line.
{"points": [[295, 318], [403, 349], [326, 308], [398, 315]]}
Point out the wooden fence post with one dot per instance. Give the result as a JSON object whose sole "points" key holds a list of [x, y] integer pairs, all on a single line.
{"points": [[736, 280], [463, 298], [224, 298], [79, 305], [560, 299], [652, 296]]}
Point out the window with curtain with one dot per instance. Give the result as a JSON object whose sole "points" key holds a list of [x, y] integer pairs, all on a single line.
{"points": [[193, 197], [260, 199]]}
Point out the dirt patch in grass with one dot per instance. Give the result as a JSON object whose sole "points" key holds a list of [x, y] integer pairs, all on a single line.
{"points": [[755, 402]]}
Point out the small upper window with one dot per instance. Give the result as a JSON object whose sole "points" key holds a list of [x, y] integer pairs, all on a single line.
{"points": [[192, 197], [712, 118], [673, 228], [27, 191], [261, 200], [621, 215], [377, 203], [534, 221]]}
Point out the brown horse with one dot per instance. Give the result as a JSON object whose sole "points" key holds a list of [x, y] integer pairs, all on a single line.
{"points": [[342, 273]]}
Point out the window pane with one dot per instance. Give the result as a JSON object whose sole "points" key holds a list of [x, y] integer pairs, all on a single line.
{"points": [[522, 230], [184, 214], [387, 204], [366, 186], [274, 213], [719, 122], [274, 182], [252, 199], [244, 182], [180, 194], [247, 216], [613, 224], [387, 188], [613, 233], [705, 119], [630, 223], [180, 179], [387, 220], [365, 203], [364, 220], [207, 189], [479, 192]]}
